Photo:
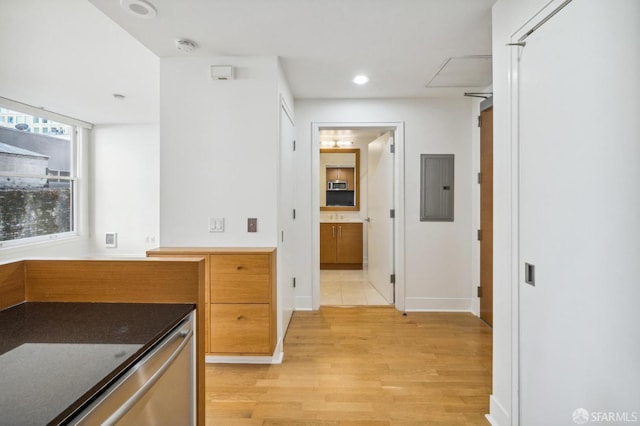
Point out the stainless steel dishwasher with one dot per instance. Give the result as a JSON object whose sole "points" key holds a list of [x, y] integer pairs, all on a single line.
{"points": [[157, 390]]}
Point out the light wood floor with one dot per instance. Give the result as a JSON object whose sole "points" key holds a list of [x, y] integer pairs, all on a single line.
{"points": [[362, 366]]}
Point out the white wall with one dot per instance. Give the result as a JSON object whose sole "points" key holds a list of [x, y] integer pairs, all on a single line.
{"points": [[125, 188], [218, 151], [438, 255]]}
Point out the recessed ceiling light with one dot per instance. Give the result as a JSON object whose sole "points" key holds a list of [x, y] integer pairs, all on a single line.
{"points": [[139, 8], [361, 79]]}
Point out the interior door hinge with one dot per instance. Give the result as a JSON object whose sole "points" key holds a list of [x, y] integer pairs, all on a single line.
{"points": [[479, 234], [392, 213], [392, 148], [479, 121], [479, 291], [294, 282], [294, 144], [479, 177], [294, 214], [392, 278]]}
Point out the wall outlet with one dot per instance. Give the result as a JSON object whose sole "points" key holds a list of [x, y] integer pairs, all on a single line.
{"points": [[216, 224], [252, 224], [111, 239]]}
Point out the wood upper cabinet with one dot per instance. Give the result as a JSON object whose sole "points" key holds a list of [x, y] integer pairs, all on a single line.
{"points": [[342, 173], [241, 295], [341, 245]]}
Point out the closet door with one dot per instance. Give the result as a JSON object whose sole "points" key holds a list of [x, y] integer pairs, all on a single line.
{"points": [[579, 213]]}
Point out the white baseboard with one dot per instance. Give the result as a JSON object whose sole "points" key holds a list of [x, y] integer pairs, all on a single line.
{"points": [[497, 416], [433, 304], [303, 303], [223, 359], [475, 306], [276, 358]]}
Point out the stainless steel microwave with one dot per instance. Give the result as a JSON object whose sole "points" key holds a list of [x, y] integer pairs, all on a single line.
{"points": [[337, 185]]}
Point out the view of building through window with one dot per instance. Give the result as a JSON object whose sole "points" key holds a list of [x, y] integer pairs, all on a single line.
{"points": [[36, 177]]}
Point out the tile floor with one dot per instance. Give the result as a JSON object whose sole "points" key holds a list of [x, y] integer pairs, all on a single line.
{"points": [[348, 287]]}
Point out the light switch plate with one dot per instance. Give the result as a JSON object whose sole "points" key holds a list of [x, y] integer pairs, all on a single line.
{"points": [[252, 224], [216, 224]]}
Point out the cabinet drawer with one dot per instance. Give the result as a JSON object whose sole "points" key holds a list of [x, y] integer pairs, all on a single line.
{"points": [[240, 279], [241, 264], [240, 328]]}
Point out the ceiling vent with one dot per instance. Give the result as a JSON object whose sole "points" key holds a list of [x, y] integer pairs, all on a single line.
{"points": [[463, 71]]}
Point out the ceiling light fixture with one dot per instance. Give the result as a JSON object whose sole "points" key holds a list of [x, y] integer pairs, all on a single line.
{"points": [[361, 79], [139, 8], [185, 46]]}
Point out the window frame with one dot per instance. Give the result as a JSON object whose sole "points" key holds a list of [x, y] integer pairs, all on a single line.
{"points": [[76, 166]]}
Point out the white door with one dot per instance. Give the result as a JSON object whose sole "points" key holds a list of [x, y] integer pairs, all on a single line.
{"points": [[287, 235], [379, 203], [579, 214]]}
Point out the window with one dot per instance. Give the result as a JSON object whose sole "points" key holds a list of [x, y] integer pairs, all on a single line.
{"points": [[37, 180]]}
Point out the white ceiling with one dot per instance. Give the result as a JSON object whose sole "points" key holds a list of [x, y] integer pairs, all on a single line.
{"points": [[71, 56], [399, 44]]}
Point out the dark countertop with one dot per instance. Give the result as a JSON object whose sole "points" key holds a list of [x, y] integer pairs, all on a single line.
{"points": [[55, 357]]}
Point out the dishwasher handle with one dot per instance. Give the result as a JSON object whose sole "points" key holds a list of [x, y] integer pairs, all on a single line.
{"points": [[124, 408]]}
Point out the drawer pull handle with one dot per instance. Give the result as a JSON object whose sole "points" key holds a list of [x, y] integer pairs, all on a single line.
{"points": [[240, 317], [240, 267]]}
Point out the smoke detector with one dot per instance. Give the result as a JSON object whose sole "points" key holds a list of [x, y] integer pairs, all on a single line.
{"points": [[185, 46], [139, 8]]}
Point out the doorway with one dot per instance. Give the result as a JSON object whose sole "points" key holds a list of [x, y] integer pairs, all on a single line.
{"points": [[372, 284]]}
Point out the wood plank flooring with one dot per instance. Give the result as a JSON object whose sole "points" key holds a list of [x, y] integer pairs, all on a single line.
{"points": [[362, 366]]}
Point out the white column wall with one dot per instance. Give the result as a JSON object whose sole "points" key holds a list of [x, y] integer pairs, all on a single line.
{"points": [[218, 151]]}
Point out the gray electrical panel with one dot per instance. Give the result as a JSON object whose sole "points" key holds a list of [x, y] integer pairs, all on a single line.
{"points": [[436, 187]]}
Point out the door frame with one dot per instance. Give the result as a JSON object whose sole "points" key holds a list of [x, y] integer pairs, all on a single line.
{"points": [[398, 203]]}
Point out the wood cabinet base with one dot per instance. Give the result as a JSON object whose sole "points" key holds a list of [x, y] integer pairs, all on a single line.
{"points": [[241, 302]]}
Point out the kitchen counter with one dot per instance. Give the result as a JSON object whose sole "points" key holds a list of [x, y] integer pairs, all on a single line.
{"points": [[55, 357]]}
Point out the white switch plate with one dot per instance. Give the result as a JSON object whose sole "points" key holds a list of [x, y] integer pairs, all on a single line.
{"points": [[216, 224]]}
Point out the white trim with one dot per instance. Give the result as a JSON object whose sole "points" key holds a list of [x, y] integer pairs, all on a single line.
{"points": [[475, 306], [288, 111], [43, 113], [498, 415], [222, 359], [399, 234], [304, 303]]}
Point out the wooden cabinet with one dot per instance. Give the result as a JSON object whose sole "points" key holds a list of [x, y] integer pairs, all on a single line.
{"points": [[341, 245], [240, 296], [342, 173]]}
